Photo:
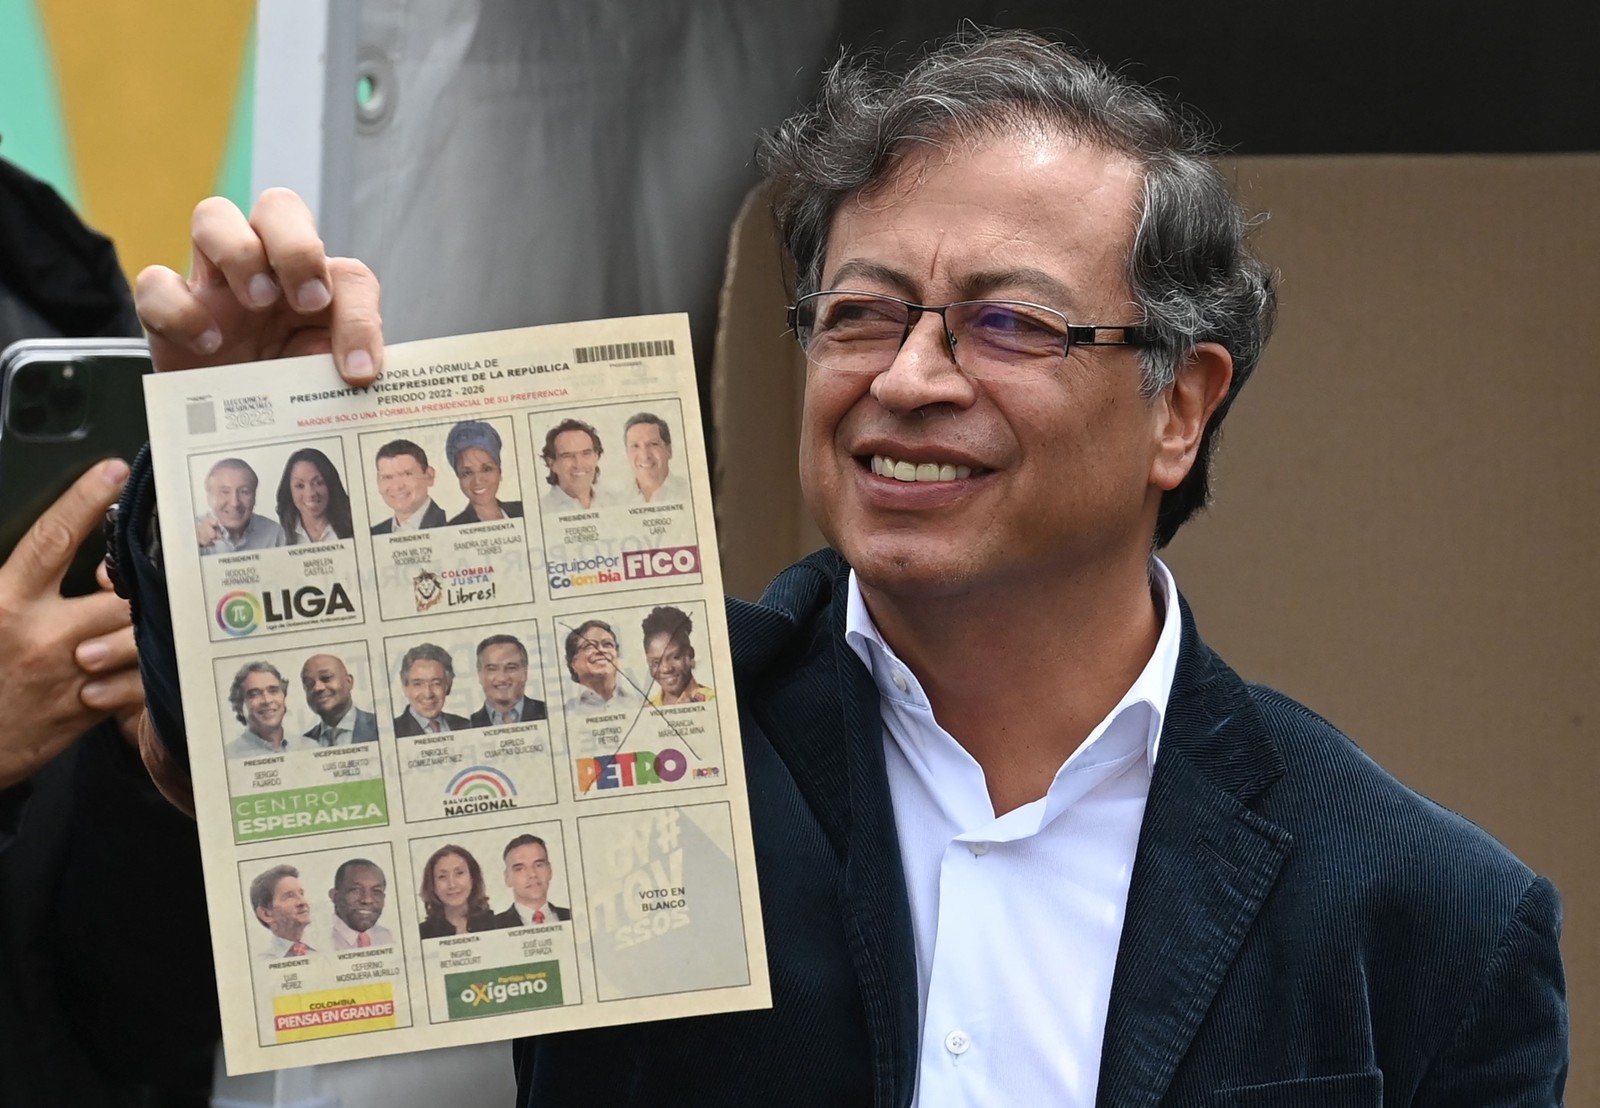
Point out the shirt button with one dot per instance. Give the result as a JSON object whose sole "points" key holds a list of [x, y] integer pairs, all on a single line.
{"points": [[900, 681], [957, 1042], [978, 849]]}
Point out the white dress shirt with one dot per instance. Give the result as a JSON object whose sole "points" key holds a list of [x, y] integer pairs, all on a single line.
{"points": [[1016, 918]]}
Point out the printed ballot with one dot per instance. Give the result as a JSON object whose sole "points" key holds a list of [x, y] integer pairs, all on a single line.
{"points": [[458, 693]]}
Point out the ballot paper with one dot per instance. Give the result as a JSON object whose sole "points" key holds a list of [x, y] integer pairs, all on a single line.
{"points": [[458, 693]]}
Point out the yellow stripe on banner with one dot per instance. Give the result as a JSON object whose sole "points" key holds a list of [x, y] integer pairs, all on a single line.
{"points": [[147, 97]]}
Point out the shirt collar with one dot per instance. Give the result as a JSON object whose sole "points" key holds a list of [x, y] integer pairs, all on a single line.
{"points": [[1152, 687]]}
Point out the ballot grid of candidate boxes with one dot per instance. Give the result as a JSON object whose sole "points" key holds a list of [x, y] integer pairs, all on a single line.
{"points": [[562, 689], [500, 920]]}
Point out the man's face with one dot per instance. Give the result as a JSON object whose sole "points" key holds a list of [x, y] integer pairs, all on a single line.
{"points": [[1060, 464], [265, 700], [289, 914], [671, 662], [327, 684], [231, 496], [404, 483], [528, 874], [358, 898], [575, 463], [427, 686], [650, 457], [595, 663], [503, 673]]}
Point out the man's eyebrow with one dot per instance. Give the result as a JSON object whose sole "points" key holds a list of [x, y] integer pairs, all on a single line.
{"points": [[1024, 281]]}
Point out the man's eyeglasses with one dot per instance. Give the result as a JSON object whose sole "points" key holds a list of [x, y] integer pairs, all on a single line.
{"points": [[862, 332]]}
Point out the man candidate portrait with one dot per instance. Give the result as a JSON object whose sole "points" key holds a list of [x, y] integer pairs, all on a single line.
{"points": [[279, 902], [1027, 303], [527, 861], [592, 650], [404, 478], [230, 523], [503, 673], [330, 687], [259, 697], [427, 675], [572, 453], [358, 894], [649, 443]]}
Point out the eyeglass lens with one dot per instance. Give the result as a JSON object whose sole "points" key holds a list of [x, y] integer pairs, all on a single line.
{"points": [[860, 333]]}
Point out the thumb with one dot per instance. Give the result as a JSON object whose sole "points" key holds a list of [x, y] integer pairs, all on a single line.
{"points": [[42, 555]]}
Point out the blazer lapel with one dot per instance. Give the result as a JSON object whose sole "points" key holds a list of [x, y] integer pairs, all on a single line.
{"points": [[808, 705], [1204, 865]]}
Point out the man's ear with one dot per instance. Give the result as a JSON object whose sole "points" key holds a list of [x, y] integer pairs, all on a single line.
{"points": [[1184, 408]]}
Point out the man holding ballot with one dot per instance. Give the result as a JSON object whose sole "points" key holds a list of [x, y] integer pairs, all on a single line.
{"points": [[1027, 304]]}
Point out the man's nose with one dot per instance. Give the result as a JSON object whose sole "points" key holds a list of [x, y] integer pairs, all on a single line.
{"points": [[924, 372]]}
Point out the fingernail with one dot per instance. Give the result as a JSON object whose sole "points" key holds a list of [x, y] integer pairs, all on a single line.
{"points": [[358, 363], [95, 692], [209, 342], [262, 290], [114, 471], [91, 654], [313, 296]]}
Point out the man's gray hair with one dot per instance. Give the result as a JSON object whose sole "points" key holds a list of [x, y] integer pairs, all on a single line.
{"points": [[1190, 268], [427, 652]]}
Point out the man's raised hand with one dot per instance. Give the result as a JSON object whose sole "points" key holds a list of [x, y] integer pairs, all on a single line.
{"points": [[262, 288]]}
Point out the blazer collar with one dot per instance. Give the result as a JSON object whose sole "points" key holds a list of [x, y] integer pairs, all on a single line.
{"points": [[1204, 865], [813, 691]]}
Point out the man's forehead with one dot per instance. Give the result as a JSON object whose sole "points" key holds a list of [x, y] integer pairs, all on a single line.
{"points": [[1032, 214], [399, 464], [230, 475], [261, 679], [359, 874], [325, 665]]}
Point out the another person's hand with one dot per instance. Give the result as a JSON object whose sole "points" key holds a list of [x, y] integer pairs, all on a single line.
{"points": [[47, 699], [262, 288]]}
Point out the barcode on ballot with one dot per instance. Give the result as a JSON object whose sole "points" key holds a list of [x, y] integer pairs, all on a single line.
{"points": [[202, 417], [622, 351]]}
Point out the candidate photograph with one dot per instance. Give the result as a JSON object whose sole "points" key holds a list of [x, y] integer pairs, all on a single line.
{"points": [[528, 873], [229, 523], [313, 505], [572, 453], [669, 654], [477, 456], [455, 898], [599, 681], [279, 904], [648, 438], [1022, 836], [427, 674], [360, 889]]}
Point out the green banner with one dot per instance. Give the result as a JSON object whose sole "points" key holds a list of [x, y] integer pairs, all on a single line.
{"points": [[489, 992], [309, 811]]}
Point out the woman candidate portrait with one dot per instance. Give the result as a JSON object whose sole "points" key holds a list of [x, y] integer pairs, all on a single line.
{"points": [[453, 894], [473, 451], [313, 505]]}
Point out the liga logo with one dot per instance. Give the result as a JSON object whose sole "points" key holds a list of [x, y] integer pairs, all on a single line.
{"points": [[239, 613], [478, 789]]}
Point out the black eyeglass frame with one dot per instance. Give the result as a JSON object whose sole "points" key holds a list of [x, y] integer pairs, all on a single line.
{"points": [[1076, 334]]}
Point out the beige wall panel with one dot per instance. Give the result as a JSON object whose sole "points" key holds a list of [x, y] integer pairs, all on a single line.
{"points": [[1408, 509]]}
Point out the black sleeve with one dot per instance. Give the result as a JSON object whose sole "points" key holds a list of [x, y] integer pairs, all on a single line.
{"points": [[141, 578]]}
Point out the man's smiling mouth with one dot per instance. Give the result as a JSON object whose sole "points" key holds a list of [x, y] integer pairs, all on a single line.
{"points": [[885, 466]]}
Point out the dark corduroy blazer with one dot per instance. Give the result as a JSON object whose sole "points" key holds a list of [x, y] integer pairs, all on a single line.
{"points": [[1301, 929]]}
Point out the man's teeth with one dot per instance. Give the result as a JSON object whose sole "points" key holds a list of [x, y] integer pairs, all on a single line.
{"points": [[912, 471]]}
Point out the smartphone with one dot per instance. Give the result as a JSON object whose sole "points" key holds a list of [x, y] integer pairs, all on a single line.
{"points": [[65, 404]]}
